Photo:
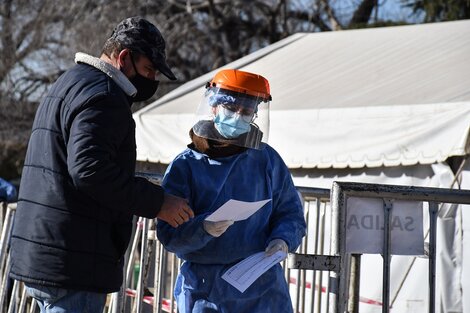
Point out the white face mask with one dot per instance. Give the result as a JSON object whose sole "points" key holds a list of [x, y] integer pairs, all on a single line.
{"points": [[238, 118]]}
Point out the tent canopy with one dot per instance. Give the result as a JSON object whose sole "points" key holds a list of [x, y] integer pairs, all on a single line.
{"points": [[381, 105], [358, 98]]}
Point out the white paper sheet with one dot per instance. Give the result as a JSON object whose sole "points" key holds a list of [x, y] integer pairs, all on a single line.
{"points": [[236, 210], [245, 272]]}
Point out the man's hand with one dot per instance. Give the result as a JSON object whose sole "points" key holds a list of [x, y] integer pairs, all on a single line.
{"points": [[175, 211]]}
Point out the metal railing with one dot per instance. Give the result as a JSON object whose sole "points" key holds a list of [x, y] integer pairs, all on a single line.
{"points": [[310, 289], [306, 291], [322, 277], [350, 279], [13, 297]]}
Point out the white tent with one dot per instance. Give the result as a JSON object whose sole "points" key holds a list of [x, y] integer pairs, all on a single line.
{"points": [[383, 105]]}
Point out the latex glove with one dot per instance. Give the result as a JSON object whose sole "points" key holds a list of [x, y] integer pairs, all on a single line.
{"points": [[276, 245], [216, 228]]}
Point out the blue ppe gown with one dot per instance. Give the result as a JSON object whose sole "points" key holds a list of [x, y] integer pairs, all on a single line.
{"points": [[252, 175]]}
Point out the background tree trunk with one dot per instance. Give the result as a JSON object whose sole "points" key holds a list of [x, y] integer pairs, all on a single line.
{"points": [[38, 39]]}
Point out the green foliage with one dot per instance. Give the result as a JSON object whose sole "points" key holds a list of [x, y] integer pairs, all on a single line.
{"points": [[440, 10]]}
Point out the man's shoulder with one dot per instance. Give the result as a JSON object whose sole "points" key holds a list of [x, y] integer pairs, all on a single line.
{"points": [[87, 76], [81, 77], [83, 82]]}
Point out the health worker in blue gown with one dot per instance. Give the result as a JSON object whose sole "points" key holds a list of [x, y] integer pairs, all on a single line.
{"points": [[229, 159]]}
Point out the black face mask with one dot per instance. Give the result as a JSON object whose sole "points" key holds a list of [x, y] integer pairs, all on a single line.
{"points": [[146, 87]]}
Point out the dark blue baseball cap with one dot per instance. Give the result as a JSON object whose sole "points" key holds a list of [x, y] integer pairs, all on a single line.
{"points": [[139, 35]]}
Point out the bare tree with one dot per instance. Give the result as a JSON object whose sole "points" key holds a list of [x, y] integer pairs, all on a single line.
{"points": [[38, 39], [32, 41], [206, 34]]}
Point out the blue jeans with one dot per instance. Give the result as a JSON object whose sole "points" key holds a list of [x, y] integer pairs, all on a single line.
{"points": [[58, 300]]}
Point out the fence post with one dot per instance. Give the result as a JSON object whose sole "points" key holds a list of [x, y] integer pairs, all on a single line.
{"points": [[143, 254], [433, 210], [355, 283], [388, 206], [339, 281]]}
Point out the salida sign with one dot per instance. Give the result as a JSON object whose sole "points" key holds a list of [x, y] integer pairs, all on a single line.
{"points": [[365, 226]]}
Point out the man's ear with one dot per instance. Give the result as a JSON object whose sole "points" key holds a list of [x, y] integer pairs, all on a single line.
{"points": [[122, 58]]}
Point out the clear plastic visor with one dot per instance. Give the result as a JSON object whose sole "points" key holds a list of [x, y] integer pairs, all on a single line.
{"points": [[232, 117]]}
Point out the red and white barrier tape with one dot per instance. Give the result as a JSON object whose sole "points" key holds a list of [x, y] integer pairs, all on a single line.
{"points": [[292, 280], [308, 285]]}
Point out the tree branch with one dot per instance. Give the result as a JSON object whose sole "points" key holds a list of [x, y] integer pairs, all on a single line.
{"points": [[363, 12]]}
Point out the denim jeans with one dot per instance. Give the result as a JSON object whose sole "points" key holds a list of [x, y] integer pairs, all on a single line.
{"points": [[58, 300]]}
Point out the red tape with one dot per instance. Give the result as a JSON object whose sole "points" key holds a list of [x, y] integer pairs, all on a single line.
{"points": [[308, 285]]}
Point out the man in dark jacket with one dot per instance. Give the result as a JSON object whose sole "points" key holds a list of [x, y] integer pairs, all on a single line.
{"points": [[78, 191]]}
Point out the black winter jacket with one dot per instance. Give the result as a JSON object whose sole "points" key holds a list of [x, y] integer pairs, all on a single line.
{"points": [[78, 192]]}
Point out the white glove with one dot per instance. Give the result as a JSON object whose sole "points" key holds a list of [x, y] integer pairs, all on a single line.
{"points": [[276, 245], [216, 228]]}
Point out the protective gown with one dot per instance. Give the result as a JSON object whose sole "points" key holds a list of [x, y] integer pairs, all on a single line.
{"points": [[252, 175]]}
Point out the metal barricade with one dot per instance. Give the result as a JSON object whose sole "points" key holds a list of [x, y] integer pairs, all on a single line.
{"points": [[348, 279], [322, 277], [13, 298], [308, 290]]}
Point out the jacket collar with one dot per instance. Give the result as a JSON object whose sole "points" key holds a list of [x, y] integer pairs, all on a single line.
{"points": [[119, 78]]}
